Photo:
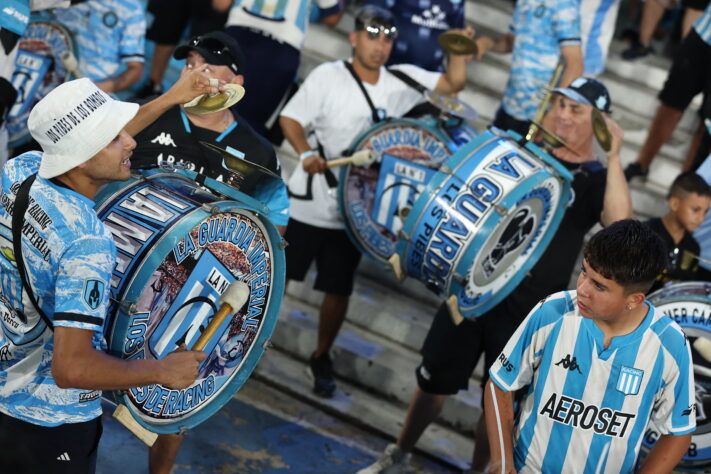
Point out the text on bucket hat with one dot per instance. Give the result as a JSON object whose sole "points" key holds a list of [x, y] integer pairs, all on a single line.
{"points": [[74, 122], [217, 48], [589, 91]]}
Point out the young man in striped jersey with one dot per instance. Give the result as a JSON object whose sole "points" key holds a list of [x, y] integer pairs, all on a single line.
{"points": [[601, 363]]}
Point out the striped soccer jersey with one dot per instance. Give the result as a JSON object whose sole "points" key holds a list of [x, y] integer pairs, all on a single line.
{"points": [[703, 25], [284, 20], [587, 407]]}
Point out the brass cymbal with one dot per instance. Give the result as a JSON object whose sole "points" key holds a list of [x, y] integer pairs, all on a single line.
{"points": [[600, 130], [455, 43], [240, 165], [553, 140], [209, 103], [451, 106]]}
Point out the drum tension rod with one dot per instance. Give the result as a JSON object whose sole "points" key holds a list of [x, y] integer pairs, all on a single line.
{"points": [[210, 208], [283, 244], [501, 209], [128, 307]]}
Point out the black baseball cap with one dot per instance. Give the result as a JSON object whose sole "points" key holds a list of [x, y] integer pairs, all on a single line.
{"points": [[217, 47], [589, 91], [373, 15]]}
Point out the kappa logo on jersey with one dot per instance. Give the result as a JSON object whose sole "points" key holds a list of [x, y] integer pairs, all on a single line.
{"points": [[689, 411], [164, 139], [630, 380], [575, 413], [570, 364], [93, 292]]}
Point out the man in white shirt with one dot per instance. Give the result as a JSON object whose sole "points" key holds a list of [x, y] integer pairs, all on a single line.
{"points": [[332, 103]]}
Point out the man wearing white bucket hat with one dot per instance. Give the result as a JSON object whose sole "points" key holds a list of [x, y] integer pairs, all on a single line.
{"points": [[55, 270]]}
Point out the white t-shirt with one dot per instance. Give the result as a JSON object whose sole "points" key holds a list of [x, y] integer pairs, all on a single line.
{"points": [[330, 102]]}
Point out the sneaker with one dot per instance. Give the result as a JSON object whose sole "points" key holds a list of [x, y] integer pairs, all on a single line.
{"points": [[635, 169], [636, 51], [321, 369], [391, 461]]}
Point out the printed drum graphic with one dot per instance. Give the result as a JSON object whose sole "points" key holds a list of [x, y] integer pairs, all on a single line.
{"points": [[178, 249], [689, 304]]}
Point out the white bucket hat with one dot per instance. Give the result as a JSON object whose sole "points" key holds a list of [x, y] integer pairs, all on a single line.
{"points": [[74, 122]]}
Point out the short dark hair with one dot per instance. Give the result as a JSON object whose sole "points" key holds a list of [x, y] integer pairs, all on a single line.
{"points": [[373, 15], [688, 183], [627, 252]]}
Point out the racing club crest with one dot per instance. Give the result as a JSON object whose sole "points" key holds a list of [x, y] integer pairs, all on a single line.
{"points": [[630, 380], [93, 292]]}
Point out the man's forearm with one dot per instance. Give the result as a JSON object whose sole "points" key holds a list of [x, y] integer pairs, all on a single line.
{"points": [[666, 454], [617, 203], [294, 134], [498, 408], [131, 75], [572, 57], [149, 113]]}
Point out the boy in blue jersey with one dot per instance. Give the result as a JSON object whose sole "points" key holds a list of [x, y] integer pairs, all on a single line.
{"points": [[601, 363], [53, 365]]}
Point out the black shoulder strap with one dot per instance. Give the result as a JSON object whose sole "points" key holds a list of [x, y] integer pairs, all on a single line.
{"points": [[22, 201], [407, 80], [373, 110]]}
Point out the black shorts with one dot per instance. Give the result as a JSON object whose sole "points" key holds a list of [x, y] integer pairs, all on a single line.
{"points": [[504, 121], [336, 256], [171, 17], [450, 353], [690, 72], [695, 4], [28, 448]]}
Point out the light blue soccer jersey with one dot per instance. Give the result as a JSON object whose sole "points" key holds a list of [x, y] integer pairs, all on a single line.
{"points": [[587, 407], [703, 25], [69, 255], [541, 28], [108, 33]]}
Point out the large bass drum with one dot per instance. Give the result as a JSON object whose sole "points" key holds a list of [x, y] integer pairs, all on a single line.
{"points": [[689, 304], [411, 151], [38, 70], [483, 220], [179, 247]]}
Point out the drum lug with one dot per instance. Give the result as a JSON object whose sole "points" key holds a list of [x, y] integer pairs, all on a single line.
{"points": [[461, 279], [501, 210], [267, 344], [444, 168], [211, 209], [403, 236], [128, 307]]}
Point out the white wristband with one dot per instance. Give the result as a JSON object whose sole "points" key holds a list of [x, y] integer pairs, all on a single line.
{"points": [[306, 154]]}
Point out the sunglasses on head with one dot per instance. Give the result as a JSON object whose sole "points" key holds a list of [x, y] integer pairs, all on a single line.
{"points": [[374, 31], [213, 46]]}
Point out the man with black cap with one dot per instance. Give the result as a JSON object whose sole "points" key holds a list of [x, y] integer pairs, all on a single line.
{"points": [[173, 138], [340, 100], [450, 351], [169, 135], [55, 271]]}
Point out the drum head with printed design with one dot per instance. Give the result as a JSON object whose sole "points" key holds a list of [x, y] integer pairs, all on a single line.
{"points": [[175, 281], [375, 200], [38, 70], [689, 304]]}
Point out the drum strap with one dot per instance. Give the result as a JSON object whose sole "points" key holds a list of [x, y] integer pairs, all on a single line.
{"points": [[22, 201], [373, 110], [408, 80]]}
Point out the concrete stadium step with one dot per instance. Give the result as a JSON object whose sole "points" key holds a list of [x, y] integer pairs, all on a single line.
{"points": [[363, 409], [371, 359]]}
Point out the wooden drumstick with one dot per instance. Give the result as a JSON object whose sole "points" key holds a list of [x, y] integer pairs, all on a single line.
{"points": [[69, 61], [703, 347], [359, 158], [234, 297]]}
